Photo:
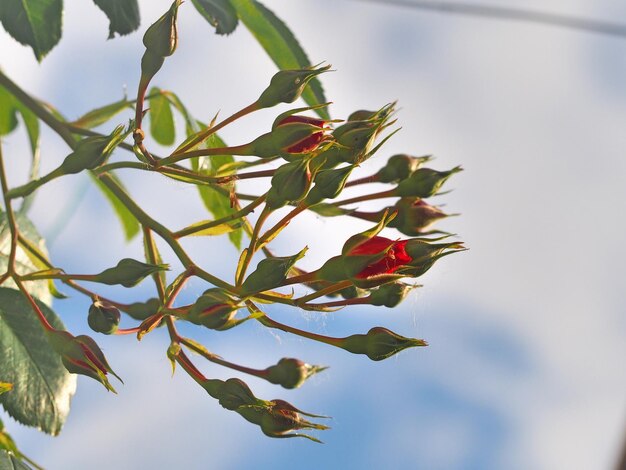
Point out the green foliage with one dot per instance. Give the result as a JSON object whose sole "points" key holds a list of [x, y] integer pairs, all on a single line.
{"points": [[161, 118], [123, 15], [280, 44], [23, 262], [42, 388], [219, 13], [35, 23], [37, 352]]}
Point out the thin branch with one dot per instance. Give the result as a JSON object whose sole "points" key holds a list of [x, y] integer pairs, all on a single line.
{"points": [[578, 23]]}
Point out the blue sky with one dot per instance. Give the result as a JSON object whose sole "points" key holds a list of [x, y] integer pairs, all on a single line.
{"points": [[527, 330]]}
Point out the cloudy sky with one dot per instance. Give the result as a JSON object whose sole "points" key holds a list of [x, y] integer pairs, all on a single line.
{"points": [[527, 329]]}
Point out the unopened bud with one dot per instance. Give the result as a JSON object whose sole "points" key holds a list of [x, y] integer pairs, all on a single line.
{"points": [[235, 393], [81, 355], [91, 152], [270, 273], [290, 138], [286, 86], [103, 318], [389, 295], [425, 182], [143, 310], [328, 184], [214, 309], [290, 372], [161, 38], [414, 216], [290, 183], [399, 167], [128, 272], [379, 343], [280, 418]]}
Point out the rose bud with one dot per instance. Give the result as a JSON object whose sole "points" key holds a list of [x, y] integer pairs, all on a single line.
{"points": [[424, 182], [328, 184], [381, 255], [91, 152], [81, 355], [280, 418], [215, 309], [414, 216], [290, 183], [290, 372], [143, 310], [290, 138], [379, 343], [399, 167], [103, 318], [161, 38], [389, 295], [128, 273], [356, 137], [286, 86]]}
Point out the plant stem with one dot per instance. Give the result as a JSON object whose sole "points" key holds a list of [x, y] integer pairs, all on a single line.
{"points": [[253, 245], [10, 218], [322, 292], [366, 197], [163, 232], [213, 129], [42, 318], [214, 223], [152, 258], [236, 150], [38, 109]]}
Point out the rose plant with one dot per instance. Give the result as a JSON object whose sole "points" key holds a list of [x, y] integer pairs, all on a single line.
{"points": [[308, 160]]}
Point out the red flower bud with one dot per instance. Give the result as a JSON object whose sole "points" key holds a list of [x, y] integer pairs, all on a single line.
{"points": [[309, 143], [394, 256]]}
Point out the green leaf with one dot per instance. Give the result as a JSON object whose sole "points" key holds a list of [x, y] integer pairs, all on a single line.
{"points": [[9, 461], [217, 203], [226, 227], [270, 273], [8, 112], [23, 263], [281, 45], [126, 218], [219, 13], [123, 15], [42, 386], [161, 118], [101, 115], [34, 23]]}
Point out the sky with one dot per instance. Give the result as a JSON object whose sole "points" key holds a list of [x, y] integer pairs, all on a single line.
{"points": [[526, 330]]}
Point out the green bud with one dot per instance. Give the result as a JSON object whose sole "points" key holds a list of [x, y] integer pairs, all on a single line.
{"points": [[290, 183], [328, 184], [414, 215], [128, 272], [425, 182], [270, 273], [290, 372], [143, 310], [290, 140], [280, 418], [161, 38], [389, 295], [235, 393], [91, 152], [214, 309], [399, 167], [379, 343], [286, 86], [81, 355], [103, 318]]}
